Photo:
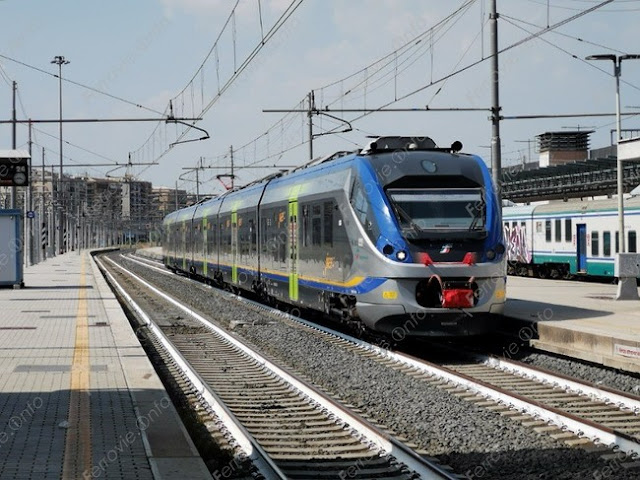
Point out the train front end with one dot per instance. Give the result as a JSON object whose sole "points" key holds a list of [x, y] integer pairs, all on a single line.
{"points": [[434, 218]]}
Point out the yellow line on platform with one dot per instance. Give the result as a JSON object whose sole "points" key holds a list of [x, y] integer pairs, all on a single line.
{"points": [[77, 452]]}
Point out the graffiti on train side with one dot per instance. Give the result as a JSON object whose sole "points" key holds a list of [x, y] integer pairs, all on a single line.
{"points": [[517, 248]]}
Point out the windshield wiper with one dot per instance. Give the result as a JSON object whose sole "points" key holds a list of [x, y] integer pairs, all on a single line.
{"points": [[474, 223], [414, 226]]}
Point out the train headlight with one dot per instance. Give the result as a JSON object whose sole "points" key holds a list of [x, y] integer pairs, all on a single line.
{"points": [[491, 253], [401, 255]]}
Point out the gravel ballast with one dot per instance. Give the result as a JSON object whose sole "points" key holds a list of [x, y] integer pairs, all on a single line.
{"points": [[475, 441]]}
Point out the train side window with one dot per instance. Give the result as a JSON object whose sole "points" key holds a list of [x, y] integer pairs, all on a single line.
{"points": [[514, 225], [359, 203], [617, 242], [547, 225], [305, 225], [595, 244], [328, 224], [253, 235], [523, 226], [567, 230], [632, 242], [364, 211], [316, 230], [558, 228], [606, 244]]}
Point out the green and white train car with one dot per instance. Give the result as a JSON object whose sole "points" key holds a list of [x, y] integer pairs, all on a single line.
{"points": [[563, 239]]}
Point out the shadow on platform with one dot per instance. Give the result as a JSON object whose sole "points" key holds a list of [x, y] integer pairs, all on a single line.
{"points": [[550, 312]]}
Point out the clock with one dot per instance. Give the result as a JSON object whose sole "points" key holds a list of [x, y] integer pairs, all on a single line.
{"points": [[19, 178]]}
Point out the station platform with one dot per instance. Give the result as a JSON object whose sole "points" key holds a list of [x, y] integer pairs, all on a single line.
{"points": [[578, 319], [78, 396]]}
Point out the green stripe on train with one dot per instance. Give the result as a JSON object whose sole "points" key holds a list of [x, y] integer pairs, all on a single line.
{"points": [[594, 267]]}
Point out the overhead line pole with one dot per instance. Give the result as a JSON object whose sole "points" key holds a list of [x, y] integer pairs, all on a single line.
{"points": [[29, 205], [310, 114], [496, 153], [43, 215], [14, 141], [233, 176], [60, 60]]}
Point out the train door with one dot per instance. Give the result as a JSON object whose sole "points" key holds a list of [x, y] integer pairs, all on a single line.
{"points": [[205, 246], [581, 243], [293, 249], [234, 247], [183, 244]]}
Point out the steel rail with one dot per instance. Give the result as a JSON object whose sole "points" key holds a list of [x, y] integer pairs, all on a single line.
{"points": [[577, 425], [251, 448], [382, 441]]}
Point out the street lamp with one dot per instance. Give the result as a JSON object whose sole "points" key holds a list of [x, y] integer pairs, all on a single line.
{"points": [[60, 60], [617, 64], [627, 288]]}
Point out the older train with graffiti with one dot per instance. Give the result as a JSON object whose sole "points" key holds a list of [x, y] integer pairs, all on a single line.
{"points": [[567, 239], [400, 235]]}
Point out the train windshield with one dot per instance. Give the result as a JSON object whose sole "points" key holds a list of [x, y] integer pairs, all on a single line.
{"points": [[450, 209]]}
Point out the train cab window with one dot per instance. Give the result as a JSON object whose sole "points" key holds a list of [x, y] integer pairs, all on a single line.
{"points": [[567, 230], [632, 246], [595, 244], [606, 244], [547, 227], [558, 228], [438, 209]]}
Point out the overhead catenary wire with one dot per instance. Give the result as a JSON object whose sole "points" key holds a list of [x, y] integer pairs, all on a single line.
{"points": [[277, 25], [81, 85], [366, 82], [477, 62], [512, 21], [413, 49], [576, 9]]}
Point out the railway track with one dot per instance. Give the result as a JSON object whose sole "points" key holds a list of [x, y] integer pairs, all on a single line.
{"points": [[568, 409], [285, 426]]}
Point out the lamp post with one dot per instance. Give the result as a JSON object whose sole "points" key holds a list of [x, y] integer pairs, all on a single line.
{"points": [[617, 64], [627, 289], [60, 60]]}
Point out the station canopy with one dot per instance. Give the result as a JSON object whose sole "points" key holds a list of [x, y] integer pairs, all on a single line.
{"points": [[577, 179]]}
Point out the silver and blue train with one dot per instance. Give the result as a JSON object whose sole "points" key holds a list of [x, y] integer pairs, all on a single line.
{"points": [[403, 237]]}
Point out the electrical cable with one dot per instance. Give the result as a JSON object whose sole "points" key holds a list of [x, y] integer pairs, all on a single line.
{"points": [[78, 84]]}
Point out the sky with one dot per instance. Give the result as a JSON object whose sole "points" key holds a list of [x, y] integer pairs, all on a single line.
{"points": [[129, 58]]}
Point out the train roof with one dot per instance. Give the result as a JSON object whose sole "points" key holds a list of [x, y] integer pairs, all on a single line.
{"points": [[319, 167], [572, 206], [588, 205], [517, 211]]}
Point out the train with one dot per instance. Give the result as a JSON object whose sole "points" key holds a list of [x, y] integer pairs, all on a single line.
{"points": [[402, 237], [568, 239]]}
